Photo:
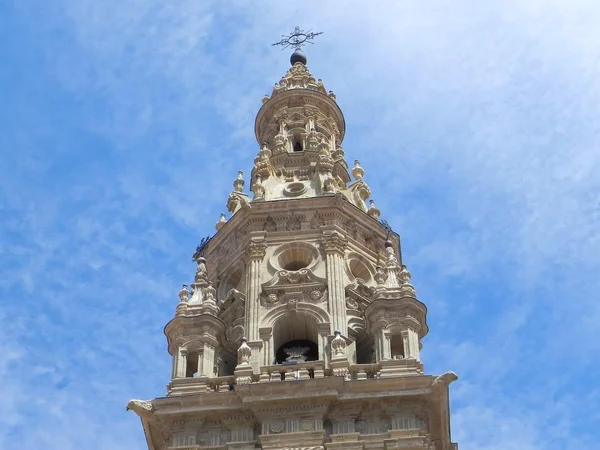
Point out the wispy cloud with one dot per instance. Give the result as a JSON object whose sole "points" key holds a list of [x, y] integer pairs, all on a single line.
{"points": [[123, 124]]}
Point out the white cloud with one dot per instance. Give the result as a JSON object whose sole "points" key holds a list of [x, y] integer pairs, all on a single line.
{"points": [[488, 112]]}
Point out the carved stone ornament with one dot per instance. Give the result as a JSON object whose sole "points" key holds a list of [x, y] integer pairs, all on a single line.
{"points": [[140, 407], [277, 426], [221, 222], [184, 294], [358, 172], [244, 353], [201, 272], [338, 345], [334, 243], [374, 211], [256, 250], [258, 189], [238, 183], [379, 276], [296, 354], [317, 221], [270, 224], [351, 303]]}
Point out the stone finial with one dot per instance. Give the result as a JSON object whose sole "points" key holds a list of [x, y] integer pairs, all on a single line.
{"points": [[258, 189], [358, 172], [391, 260], [374, 211], [238, 183], [244, 353], [265, 99], [222, 221], [184, 294], [338, 345]]}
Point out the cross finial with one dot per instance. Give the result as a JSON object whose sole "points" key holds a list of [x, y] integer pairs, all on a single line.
{"points": [[297, 39]]}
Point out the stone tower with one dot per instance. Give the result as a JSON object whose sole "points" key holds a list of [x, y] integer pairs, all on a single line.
{"points": [[301, 329]]}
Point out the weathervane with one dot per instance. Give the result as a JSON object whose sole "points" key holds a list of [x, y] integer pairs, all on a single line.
{"points": [[297, 39], [201, 248]]}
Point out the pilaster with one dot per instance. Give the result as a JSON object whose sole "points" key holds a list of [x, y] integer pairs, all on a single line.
{"points": [[254, 254], [334, 245]]}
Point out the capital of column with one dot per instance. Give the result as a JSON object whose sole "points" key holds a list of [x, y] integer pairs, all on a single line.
{"points": [[334, 242], [255, 250]]}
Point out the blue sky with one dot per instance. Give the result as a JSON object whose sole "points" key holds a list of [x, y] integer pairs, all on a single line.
{"points": [[123, 124]]}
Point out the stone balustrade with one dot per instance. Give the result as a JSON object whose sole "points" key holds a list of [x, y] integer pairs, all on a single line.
{"points": [[293, 372]]}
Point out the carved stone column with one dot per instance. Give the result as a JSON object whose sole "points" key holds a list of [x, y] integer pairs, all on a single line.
{"points": [[334, 244], [411, 346], [266, 336], [343, 433], [206, 360], [242, 431], [254, 255], [180, 362]]}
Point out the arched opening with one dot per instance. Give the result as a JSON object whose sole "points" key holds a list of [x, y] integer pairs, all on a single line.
{"points": [[365, 349], [295, 339], [191, 366], [297, 143], [397, 346]]}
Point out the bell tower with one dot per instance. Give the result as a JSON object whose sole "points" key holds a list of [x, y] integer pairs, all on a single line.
{"points": [[302, 329]]}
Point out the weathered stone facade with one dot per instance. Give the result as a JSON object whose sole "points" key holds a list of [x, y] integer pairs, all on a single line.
{"points": [[301, 329]]}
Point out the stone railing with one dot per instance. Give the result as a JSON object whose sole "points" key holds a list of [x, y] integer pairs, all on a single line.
{"points": [[289, 372], [297, 372]]}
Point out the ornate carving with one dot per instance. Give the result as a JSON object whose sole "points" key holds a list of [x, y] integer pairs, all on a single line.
{"points": [[258, 189], [338, 345], [221, 222], [334, 243], [318, 296], [270, 224], [256, 250], [294, 277], [374, 211], [238, 183], [296, 353], [379, 277], [140, 407], [244, 353], [351, 303], [293, 224], [201, 272], [358, 172], [277, 426], [317, 221], [184, 294]]}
